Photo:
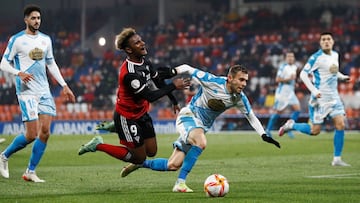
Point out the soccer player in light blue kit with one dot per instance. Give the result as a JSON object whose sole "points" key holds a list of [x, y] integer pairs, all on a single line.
{"points": [[325, 100], [27, 56], [285, 92], [215, 95]]}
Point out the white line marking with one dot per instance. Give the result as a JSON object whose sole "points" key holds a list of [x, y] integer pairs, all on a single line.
{"points": [[336, 176]]}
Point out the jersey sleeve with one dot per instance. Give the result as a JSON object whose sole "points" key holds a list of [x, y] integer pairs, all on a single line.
{"points": [[8, 57], [310, 65], [280, 71], [134, 83]]}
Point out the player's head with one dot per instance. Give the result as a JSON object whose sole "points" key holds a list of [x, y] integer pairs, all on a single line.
{"points": [[326, 41], [290, 57], [237, 78], [32, 17], [129, 41]]}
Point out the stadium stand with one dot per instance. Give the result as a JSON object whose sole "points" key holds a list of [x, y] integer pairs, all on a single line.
{"points": [[212, 41]]}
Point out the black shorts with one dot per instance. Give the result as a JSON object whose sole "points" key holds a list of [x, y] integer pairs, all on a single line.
{"points": [[132, 133]]}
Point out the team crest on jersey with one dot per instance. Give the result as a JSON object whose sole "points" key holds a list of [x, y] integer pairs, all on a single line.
{"points": [[36, 54], [334, 69], [135, 84], [216, 105]]}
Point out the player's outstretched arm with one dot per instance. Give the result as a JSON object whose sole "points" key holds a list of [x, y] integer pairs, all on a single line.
{"points": [[256, 124]]}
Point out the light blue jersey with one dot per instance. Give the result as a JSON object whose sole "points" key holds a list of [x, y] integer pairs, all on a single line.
{"points": [[211, 99], [30, 54], [285, 91], [324, 69]]}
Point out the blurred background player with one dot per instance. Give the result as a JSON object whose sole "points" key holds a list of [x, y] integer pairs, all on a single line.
{"points": [[215, 95], [136, 90], [27, 56], [285, 92], [325, 100]]}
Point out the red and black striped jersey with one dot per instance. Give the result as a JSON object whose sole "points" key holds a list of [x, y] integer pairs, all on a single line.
{"points": [[133, 79]]}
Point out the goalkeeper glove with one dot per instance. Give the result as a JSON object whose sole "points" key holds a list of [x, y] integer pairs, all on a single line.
{"points": [[166, 72], [270, 140]]}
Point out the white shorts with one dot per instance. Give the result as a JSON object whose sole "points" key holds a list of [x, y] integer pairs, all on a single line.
{"points": [[33, 105], [185, 122], [282, 101], [319, 111]]}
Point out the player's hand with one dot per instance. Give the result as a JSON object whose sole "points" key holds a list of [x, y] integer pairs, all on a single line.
{"points": [[346, 78], [176, 108], [69, 94], [270, 140], [26, 77], [166, 72], [316, 93], [181, 83]]}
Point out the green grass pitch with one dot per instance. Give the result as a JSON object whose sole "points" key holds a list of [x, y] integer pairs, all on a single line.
{"points": [[257, 172]]}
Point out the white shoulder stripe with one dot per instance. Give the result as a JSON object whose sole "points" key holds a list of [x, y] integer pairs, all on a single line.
{"points": [[131, 68]]}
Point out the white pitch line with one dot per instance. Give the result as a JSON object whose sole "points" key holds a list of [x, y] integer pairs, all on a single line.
{"points": [[336, 176]]}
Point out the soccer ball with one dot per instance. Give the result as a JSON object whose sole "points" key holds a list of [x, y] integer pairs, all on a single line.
{"points": [[216, 185]]}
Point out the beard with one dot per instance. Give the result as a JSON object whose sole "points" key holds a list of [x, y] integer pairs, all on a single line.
{"points": [[34, 28]]}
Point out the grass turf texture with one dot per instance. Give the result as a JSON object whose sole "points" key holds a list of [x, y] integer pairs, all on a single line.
{"points": [[257, 172]]}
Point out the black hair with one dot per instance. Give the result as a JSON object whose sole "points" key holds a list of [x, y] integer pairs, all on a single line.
{"points": [[30, 8], [326, 33]]}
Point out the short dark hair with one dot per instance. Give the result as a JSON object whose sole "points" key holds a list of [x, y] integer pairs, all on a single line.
{"points": [[30, 8], [233, 70], [326, 33]]}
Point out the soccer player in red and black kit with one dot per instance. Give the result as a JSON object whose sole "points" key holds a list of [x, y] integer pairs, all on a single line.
{"points": [[139, 84]]}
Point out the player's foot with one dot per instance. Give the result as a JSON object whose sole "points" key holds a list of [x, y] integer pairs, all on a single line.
{"points": [[106, 125], [286, 127], [31, 176], [268, 133], [181, 187], [129, 169], [4, 168], [91, 146], [339, 163]]}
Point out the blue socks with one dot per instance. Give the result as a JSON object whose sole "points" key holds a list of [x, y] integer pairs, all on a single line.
{"points": [[302, 127], [18, 143], [159, 164], [189, 161], [272, 120], [338, 142], [37, 152], [295, 115]]}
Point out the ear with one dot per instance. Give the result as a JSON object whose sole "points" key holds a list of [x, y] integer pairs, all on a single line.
{"points": [[229, 77], [128, 50]]}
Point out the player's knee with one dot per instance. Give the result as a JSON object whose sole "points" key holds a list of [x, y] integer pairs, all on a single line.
{"points": [[172, 166], [340, 125], [315, 132], [202, 145]]}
